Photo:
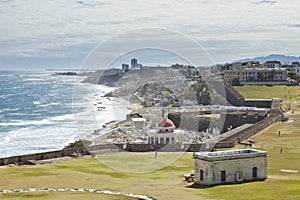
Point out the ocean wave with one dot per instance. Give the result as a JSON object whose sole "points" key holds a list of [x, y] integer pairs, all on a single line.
{"points": [[36, 102], [49, 104], [63, 117], [8, 109], [4, 96], [26, 123], [32, 79], [37, 139]]}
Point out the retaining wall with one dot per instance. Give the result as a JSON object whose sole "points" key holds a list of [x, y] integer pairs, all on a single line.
{"points": [[250, 131], [229, 142], [42, 156]]}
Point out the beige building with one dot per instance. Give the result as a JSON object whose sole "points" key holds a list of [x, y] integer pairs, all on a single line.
{"points": [[256, 75], [212, 168]]}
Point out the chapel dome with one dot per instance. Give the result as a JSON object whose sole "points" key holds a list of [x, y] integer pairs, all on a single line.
{"points": [[166, 123]]}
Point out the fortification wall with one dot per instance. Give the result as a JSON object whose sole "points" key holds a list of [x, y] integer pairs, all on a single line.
{"points": [[229, 142], [44, 155], [250, 131], [258, 103]]}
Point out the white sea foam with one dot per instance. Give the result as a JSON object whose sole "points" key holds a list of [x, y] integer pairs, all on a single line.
{"points": [[6, 139], [9, 109], [4, 96], [63, 117], [51, 133], [30, 140], [32, 79], [25, 123], [49, 104]]}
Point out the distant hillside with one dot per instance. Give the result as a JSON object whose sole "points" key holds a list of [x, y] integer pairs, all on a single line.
{"points": [[282, 58]]}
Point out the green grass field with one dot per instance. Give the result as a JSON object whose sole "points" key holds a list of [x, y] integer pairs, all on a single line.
{"points": [[286, 93], [166, 182], [63, 195], [289, 94]]}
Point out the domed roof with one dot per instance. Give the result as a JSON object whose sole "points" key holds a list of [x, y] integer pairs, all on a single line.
{"points": [[166, 123]]}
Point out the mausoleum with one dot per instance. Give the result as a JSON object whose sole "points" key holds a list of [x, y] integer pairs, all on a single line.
{"points": [[212, 168]]}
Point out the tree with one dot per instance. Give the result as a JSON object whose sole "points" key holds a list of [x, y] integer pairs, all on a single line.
{"points": [[78, 143], [294, 76], [261, 76], [236, 82], [272, 75]]}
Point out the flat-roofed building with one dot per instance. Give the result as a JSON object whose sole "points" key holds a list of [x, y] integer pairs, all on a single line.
{"points": [[212, 168], [257, 75], [272, 64]]}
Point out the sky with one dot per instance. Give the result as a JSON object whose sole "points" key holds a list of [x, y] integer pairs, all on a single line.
{"points": [[62, 34]]}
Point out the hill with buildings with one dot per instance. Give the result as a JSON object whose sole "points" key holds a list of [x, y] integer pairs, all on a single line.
{"points": [[284, 59]]}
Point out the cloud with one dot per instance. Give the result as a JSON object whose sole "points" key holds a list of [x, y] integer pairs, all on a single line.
{"points": [[84, 3], [6, 1], [265, 2], [65, 28], [294, 25]]}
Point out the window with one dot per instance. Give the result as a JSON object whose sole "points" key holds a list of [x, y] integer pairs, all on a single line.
{"points": [[201, 175], [223, 176], [254, 172]]}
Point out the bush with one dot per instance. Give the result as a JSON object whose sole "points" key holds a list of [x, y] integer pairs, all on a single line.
{"points": [[78, 143]]}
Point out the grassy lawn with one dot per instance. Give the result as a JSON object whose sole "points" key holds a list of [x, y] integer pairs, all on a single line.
{"points": [[289, 94], [279, 185], [165, 183], [115, 172], [142, 162], [63, 195]]}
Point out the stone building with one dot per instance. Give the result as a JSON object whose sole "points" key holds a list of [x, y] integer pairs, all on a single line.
{"points": [[212, 168]]}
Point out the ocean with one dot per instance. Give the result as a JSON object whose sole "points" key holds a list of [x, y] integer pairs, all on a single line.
{"points": [[41, 112]]}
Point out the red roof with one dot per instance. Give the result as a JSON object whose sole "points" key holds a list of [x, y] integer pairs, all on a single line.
{"points": [[166, 123]]}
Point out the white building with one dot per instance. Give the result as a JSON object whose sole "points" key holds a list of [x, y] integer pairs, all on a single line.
{"points": [[212, 168], [164, 134], [139, 123], [272, 64]]}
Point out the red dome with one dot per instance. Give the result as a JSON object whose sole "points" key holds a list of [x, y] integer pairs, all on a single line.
{"points": [[166, 123]]}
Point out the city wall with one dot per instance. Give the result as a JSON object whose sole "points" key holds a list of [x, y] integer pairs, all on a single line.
{"points": [[23, 159], [225, 143]]}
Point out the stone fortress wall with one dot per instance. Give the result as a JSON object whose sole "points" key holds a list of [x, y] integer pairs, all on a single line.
{"points": [[233, 97]]}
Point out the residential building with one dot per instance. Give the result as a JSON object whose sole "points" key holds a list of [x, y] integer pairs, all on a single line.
{"points": [[134, 63], [295, 66], [257, 75], [125, 67], [272, 64]]}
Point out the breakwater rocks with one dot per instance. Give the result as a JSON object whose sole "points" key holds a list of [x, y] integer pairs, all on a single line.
{"points": [[138, 196]]}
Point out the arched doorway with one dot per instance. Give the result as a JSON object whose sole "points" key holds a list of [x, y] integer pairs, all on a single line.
{"points": [[162, 141], [167, 140]]}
